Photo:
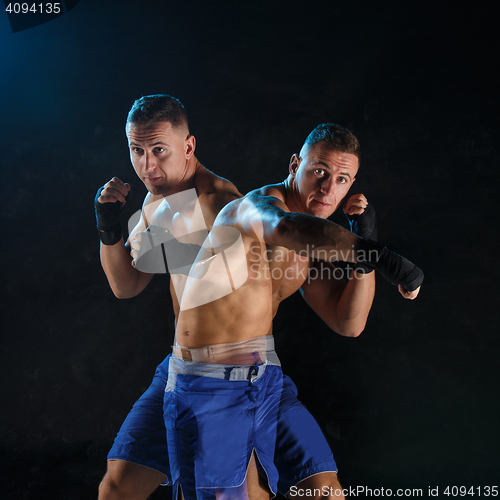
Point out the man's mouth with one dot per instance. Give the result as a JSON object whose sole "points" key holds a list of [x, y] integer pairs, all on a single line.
{"points": [[322, 203]]}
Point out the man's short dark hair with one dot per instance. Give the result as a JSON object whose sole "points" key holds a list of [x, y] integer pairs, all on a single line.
{"points": [[334, 137], [158, 108]]}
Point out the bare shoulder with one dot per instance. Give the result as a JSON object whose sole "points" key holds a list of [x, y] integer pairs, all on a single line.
{"points": [[151, 198], [270, 195], [208, 183], [214, 193], [254, 213], [273, 190]]}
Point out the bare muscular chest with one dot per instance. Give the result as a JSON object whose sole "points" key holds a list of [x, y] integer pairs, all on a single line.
{"points": [[181, 214]]}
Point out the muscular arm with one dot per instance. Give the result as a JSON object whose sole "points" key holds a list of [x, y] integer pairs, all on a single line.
{"points": [[268, 218], [343, 307], [123, 278], [125, 281]]}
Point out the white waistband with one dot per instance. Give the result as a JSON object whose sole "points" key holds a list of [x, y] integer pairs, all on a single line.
{"points": [[247, 352]]}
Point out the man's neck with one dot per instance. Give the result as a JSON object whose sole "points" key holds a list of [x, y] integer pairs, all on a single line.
{"points": [[188, 181], [289, 193]]}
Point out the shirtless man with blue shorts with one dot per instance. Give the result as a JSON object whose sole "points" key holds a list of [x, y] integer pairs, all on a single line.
{"points": [[162, 154], [235, 428]]}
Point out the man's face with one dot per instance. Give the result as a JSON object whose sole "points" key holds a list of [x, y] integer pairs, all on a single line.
{"points": [[160, 154], [321, 179]]}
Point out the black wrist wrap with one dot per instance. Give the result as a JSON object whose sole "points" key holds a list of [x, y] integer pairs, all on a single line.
{"points": [[399, 271], [394, 268], [108, 220], [365, 224], [110, 237], [367, 255]]}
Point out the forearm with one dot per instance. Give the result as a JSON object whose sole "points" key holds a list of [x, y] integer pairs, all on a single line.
{"points": [[323, 240], [268, 219], [123, 278], [319, 239], [354, 304], [316, 238]]}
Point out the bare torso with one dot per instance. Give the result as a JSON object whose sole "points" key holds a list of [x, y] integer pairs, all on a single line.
{"points": [[270, 275], [188, 215]]}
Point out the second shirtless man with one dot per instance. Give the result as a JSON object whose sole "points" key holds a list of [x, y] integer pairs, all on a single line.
{"points": [[234, 424]]}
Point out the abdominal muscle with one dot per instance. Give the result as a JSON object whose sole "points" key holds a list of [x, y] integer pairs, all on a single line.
{"points": [[247, 312], [242, 315]]}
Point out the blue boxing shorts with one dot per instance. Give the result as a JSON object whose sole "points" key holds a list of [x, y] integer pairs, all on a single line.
{"points": [[217, 415], [300, 448], [142, 437]]}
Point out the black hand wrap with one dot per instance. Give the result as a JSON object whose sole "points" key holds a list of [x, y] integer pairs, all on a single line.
{"points": [[108, 220], [364, 225], [394, 268]]}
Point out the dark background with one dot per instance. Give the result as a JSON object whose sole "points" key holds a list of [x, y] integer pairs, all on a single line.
{"points": [[411, 403]]}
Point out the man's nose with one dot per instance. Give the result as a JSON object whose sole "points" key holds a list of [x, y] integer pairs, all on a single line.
{"points": [[327, 186], [150, 162]]}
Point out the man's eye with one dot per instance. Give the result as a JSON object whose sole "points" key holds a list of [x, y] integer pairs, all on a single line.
{"points": [[342, 180], [320, 171], [159, 150], [137, 150]]}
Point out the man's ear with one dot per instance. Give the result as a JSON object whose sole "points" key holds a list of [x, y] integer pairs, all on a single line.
{"points": [[294, 164], [190, 146]]}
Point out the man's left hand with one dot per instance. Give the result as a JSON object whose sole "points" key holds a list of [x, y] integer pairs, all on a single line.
{"points": [[361, 215]]}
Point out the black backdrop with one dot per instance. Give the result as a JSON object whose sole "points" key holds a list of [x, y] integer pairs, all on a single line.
{"points": [[413, 402]]}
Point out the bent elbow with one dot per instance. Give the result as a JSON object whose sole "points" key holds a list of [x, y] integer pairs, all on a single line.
{"points": [[122, 294], [350, 331], [355, 333]]}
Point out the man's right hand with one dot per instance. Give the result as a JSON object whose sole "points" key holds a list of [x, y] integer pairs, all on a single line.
{"points": [[408, 295], [108, 205], [392, 266], [112, 191], [400, 271]]}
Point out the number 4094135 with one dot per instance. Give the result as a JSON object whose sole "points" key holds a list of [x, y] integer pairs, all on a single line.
{"points": [[34, 8]]}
